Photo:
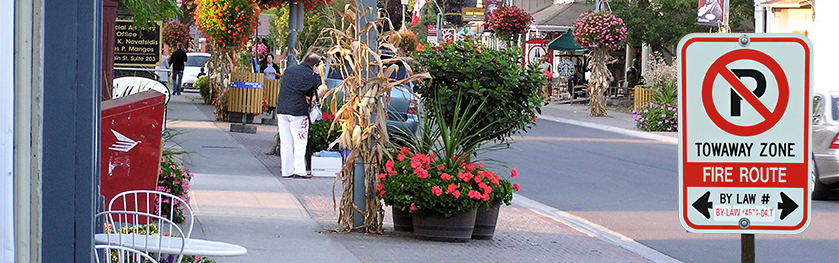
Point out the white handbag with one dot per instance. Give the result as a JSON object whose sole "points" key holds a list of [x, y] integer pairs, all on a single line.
{"points": [[315, 114]]}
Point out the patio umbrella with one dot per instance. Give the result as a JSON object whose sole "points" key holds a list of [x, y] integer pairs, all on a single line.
{"points": [[565, 42]]}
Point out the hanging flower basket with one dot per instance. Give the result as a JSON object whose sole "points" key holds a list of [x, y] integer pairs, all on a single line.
{"points": [[175, 33], [227, 23], [507, 22], [599, 30]]}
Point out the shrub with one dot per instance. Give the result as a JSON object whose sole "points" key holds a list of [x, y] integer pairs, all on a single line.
{"points": [[657, 117], [496, 79]]}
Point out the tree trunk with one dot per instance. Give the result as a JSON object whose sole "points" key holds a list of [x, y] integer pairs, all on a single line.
{"points": [[599, 81]]}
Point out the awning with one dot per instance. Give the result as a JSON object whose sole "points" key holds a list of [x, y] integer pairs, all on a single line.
{"points": [[787, 4], [565, 42]]}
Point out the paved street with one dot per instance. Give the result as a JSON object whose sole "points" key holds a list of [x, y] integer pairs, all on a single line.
{"points": [[593, 190], [630, 185]]}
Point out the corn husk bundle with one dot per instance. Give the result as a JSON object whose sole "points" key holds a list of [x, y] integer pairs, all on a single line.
{"points": [[361, 117]]}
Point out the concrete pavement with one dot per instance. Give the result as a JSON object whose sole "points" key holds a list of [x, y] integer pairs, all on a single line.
{"points": [[239, 197]]}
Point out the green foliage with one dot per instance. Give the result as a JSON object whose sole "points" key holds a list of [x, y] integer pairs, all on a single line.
{"points": [[173, 177], [662, 23], [147, 11], [319, 135], [496, 79], [322, 16], [447, 145], [201, 83]]}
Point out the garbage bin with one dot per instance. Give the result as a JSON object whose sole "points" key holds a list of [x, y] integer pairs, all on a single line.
{"points": [[131, 143], [246, 91]]}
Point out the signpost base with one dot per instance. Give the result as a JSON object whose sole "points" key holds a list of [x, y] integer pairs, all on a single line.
{"points": [[747, 248]]}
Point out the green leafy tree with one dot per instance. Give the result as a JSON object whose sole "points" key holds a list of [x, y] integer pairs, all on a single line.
{"points": [[662, 23], [145, 12]]}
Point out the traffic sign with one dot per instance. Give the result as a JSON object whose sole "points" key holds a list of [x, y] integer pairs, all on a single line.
{"points": [[744, 112]]}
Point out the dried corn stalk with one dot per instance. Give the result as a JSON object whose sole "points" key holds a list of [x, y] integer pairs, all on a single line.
{"points": [[362, 117]]}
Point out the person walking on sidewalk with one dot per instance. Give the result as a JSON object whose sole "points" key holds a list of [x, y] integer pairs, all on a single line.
{"points": [[177, 60], [299, 82]]}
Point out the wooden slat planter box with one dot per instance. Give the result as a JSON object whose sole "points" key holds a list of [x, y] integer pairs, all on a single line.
{"points": [[246, 91], [643, 96], [271, 90]]}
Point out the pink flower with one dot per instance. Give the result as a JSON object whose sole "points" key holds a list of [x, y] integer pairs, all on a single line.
{"points": [[477, 179], [379, 187], [404, 150], [514, 173], [421, 173], [451, 188], [382, 176], [516, 186], [436, 190], [456, 194], [474, 194], [415, 163], [441, 167], [485, 197], [445, 177], [400, 157], [413, 207]]}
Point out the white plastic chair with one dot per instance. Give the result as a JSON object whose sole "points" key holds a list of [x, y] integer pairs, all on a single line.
{"points": [[149, 233], [113, 253], [151, 202]]}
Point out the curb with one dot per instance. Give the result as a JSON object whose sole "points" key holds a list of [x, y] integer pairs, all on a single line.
{"points": [[639, 134], [592, 229]]}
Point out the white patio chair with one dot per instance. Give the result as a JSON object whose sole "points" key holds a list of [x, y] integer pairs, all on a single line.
{"points": [[113, 253], [149, 233], [153, 202]]}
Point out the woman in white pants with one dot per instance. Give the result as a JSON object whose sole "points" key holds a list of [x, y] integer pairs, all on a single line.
{"points": [[298, 83]]}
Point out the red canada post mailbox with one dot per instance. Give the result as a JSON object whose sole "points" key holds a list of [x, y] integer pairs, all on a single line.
{"points": [[131, 143]]}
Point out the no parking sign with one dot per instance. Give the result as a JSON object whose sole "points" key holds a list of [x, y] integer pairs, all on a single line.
{"points": [[744, 112]]}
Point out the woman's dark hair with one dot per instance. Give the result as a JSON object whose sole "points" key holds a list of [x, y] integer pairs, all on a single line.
{"points": [[272, 58]]}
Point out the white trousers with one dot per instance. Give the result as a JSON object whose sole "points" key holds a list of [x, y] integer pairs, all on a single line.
{"points": [[294, 134]]}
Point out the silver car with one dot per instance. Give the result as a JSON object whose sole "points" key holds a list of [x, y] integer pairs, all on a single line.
{"points": [[824, 178]]}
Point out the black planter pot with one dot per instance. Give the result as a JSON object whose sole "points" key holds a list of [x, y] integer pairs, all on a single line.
{"points": [[485, 221], [402, 220], [435, 226]]}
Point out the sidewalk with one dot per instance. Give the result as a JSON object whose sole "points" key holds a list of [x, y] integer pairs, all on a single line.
{"points": [[239, 197]]}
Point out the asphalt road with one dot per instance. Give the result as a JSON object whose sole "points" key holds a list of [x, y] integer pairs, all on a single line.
{"points": [[630, 186]]}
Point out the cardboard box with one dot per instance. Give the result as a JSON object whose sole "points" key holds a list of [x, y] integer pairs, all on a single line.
{"points": [[326, 166]]}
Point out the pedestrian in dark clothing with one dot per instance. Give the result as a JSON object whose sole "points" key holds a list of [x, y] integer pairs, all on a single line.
{"points": [[177, 60], [298, 83]]}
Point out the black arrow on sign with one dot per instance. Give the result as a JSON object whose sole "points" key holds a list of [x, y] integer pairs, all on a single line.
{"points": [[787, 205], [702, 205]]}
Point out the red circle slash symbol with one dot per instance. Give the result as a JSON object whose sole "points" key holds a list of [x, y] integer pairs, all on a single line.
{"points": [[770, 118]]}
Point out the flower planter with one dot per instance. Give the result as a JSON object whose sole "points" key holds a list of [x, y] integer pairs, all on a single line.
{"points": [[402, 220], [485, 221], [436, 227]]}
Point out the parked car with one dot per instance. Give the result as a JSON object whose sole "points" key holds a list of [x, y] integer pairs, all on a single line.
{"points": [[824, 176], [403, 108], [195, 64]]}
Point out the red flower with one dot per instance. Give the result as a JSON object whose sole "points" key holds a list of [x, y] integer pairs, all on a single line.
{"points": [[456, 194], [421, 173], [474, 194], [413, 207], [514, 173], [445, 177], [516, 186], [441, 167], [400, 157], [382, 176], [451, 188], [404, 150], [436, 190], [380, 187]]}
